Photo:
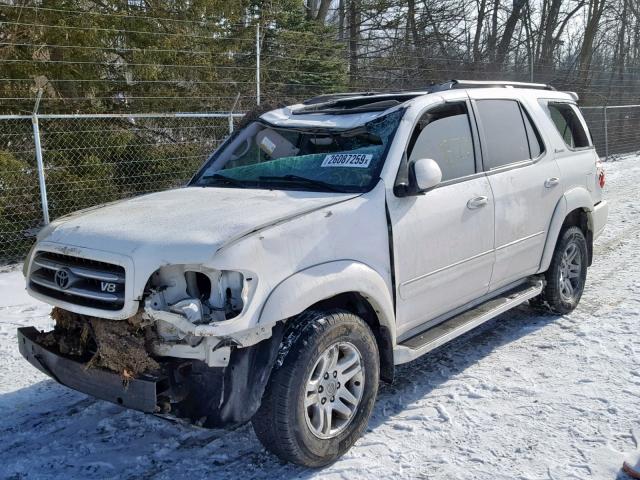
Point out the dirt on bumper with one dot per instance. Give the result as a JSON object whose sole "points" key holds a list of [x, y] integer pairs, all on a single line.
{"points": [[110, 360], [118, 346], [137, 393]]}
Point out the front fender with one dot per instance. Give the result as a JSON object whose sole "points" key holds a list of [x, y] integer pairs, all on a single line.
{"points": [[573, 199], [314, 284]]}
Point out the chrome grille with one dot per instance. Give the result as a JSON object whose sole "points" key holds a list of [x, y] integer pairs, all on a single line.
{"points": [[85, 282]]}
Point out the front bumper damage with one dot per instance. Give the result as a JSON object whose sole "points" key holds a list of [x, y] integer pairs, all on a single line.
{"points": [[138, 393], [183, 388]]}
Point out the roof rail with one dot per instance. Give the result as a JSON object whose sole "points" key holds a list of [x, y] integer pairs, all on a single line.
{"points": [[455, 84]]}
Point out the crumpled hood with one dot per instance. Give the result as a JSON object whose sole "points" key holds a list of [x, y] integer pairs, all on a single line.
{"points": [[186, 224]]}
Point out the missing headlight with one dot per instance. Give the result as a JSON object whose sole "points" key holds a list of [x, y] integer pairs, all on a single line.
{"points": [[222, 292], [198, 285]]}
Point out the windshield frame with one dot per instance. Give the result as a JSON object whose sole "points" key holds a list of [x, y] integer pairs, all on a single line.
{"points": [[281, 185]]}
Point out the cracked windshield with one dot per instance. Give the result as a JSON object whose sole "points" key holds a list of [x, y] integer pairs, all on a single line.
{"points": [[293, 158]]}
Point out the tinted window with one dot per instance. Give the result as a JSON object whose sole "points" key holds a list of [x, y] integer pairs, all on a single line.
{"points": [[568, 124], [445, 136], [535, 143], [505, 136]]}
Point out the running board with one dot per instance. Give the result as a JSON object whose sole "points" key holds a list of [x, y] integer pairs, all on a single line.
{"points": [[446, 331]]}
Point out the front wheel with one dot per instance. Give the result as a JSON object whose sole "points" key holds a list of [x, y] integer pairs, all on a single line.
{"points": [[567, 273], [319, 399]]}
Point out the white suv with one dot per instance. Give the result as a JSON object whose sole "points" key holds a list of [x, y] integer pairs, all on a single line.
{"points": [[321, 245]]}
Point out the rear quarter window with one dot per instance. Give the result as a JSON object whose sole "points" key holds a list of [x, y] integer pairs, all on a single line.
{"points": [[567, 122]]}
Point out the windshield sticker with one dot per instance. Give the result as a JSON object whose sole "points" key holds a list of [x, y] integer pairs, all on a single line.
{"points": [[267, 145], [357, 160]]}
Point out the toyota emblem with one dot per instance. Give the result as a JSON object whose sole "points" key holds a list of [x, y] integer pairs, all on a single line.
{"points": [[63, 278]]}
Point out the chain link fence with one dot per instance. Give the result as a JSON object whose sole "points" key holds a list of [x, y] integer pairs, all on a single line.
{"points": [[93, 159], [20, 212], [614, 129]]}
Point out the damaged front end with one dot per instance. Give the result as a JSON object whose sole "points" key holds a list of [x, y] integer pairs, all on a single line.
{"points": [[165, 359]]}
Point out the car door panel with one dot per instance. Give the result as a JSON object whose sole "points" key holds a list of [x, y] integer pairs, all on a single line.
{"points": [[443, 250], [523, 208], [525, 181]]}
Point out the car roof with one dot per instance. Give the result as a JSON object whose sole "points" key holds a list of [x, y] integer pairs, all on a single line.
{"points": [[350, 109]]}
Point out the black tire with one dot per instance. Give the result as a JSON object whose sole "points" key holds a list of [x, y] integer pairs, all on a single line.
{"points": [[282, 422], [556, 296]]}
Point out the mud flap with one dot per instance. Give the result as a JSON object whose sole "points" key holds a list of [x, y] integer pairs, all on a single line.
{"points": [[138, 394]]}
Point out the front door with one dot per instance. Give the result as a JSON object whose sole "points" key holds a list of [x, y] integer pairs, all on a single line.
{"points": [[442, 240]]}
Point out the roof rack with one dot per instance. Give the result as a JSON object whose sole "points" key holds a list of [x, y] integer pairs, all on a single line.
{"points": [[456, 84]]}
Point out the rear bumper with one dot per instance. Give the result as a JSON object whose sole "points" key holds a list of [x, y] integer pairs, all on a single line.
{"points": [[599, 215], [138, 394]]}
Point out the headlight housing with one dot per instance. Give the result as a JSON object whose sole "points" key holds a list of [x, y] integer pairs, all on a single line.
{"points": [[201, 294]]}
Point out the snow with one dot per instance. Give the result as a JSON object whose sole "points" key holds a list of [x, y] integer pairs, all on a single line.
{"points": [[527, 396]]}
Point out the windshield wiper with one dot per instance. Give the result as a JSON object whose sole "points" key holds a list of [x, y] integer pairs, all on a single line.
{"points": [[296, 179], [225, 179]]}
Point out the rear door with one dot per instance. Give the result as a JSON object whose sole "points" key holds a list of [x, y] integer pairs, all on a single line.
{"points": [[525, 181], [443, 239]]}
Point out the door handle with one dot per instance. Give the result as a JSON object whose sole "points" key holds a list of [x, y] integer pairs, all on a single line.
{"points": [[477, 202], [551, 182]]}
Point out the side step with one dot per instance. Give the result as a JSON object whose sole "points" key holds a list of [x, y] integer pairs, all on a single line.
{"points": [[446, 331]]}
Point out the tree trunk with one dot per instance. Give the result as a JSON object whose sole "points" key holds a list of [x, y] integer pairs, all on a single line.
{"points": [[509, 29], [596, 9], [493, 34], [411, 22], [548, 27], [482, 10], [341, 18], [323, 10], [354, 35]]}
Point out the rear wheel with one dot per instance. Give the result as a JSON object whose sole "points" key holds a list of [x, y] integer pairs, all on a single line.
{"points": [[567, 273], [319, 400]]}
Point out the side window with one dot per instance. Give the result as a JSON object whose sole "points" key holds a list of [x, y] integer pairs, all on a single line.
{"points": [[444, 135], [536, 147], [568, 124], [506, 139]]}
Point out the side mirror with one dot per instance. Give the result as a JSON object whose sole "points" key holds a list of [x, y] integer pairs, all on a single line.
{"points": [[426, 174]]}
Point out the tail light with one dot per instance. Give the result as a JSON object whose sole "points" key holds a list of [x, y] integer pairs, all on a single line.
{"points": [[601, 174]]}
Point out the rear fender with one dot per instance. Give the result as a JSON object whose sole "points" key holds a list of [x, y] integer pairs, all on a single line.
{"points": [[573, 199]]}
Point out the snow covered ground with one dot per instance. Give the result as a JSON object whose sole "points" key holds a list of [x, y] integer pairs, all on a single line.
{"points": [[528, 396]]}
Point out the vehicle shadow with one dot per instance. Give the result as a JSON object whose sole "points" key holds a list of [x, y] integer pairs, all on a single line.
{"points": [[49, 428]]}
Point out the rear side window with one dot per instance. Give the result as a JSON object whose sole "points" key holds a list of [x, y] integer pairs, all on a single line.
{"points": [[536, 147], [444, 135], [568, 124], [508, 133]]}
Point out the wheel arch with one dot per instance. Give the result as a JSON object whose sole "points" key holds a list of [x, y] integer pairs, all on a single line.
{"points": [[575, 208], [347, 285]]}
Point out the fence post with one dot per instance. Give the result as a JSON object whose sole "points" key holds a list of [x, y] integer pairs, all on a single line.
{"points": [[258, 64], [38, 148], [233, 108], [606, 134]]}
